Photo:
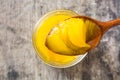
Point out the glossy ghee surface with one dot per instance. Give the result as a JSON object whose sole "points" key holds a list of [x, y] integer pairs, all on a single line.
{"points": [[43, 27], [69, 37]]}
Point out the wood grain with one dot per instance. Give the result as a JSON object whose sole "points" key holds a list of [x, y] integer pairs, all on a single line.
{"points": [[18, 60]]}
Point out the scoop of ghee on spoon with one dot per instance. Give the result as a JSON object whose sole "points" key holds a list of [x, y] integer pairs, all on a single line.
{"points": [[77, 35]]}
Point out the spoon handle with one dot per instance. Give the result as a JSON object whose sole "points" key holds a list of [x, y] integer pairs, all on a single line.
{"points": [[109, 24]]}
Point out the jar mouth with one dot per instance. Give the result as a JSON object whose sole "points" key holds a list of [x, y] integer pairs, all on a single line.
{"points": [[77, 59]]}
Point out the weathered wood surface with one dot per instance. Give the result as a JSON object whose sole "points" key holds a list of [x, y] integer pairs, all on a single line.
{"points": [[18, 60]]}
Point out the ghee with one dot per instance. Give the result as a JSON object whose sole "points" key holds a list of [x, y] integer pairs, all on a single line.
{"points": [[42, 29], [69, 37]]}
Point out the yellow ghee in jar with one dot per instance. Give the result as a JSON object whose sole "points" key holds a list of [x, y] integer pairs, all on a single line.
{"points": [[43, 27]]}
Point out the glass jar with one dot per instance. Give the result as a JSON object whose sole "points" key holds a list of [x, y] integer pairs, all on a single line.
{"points": [[42, 29]]}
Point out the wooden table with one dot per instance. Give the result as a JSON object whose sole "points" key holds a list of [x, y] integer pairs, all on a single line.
{"points": [[18, 60]]}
